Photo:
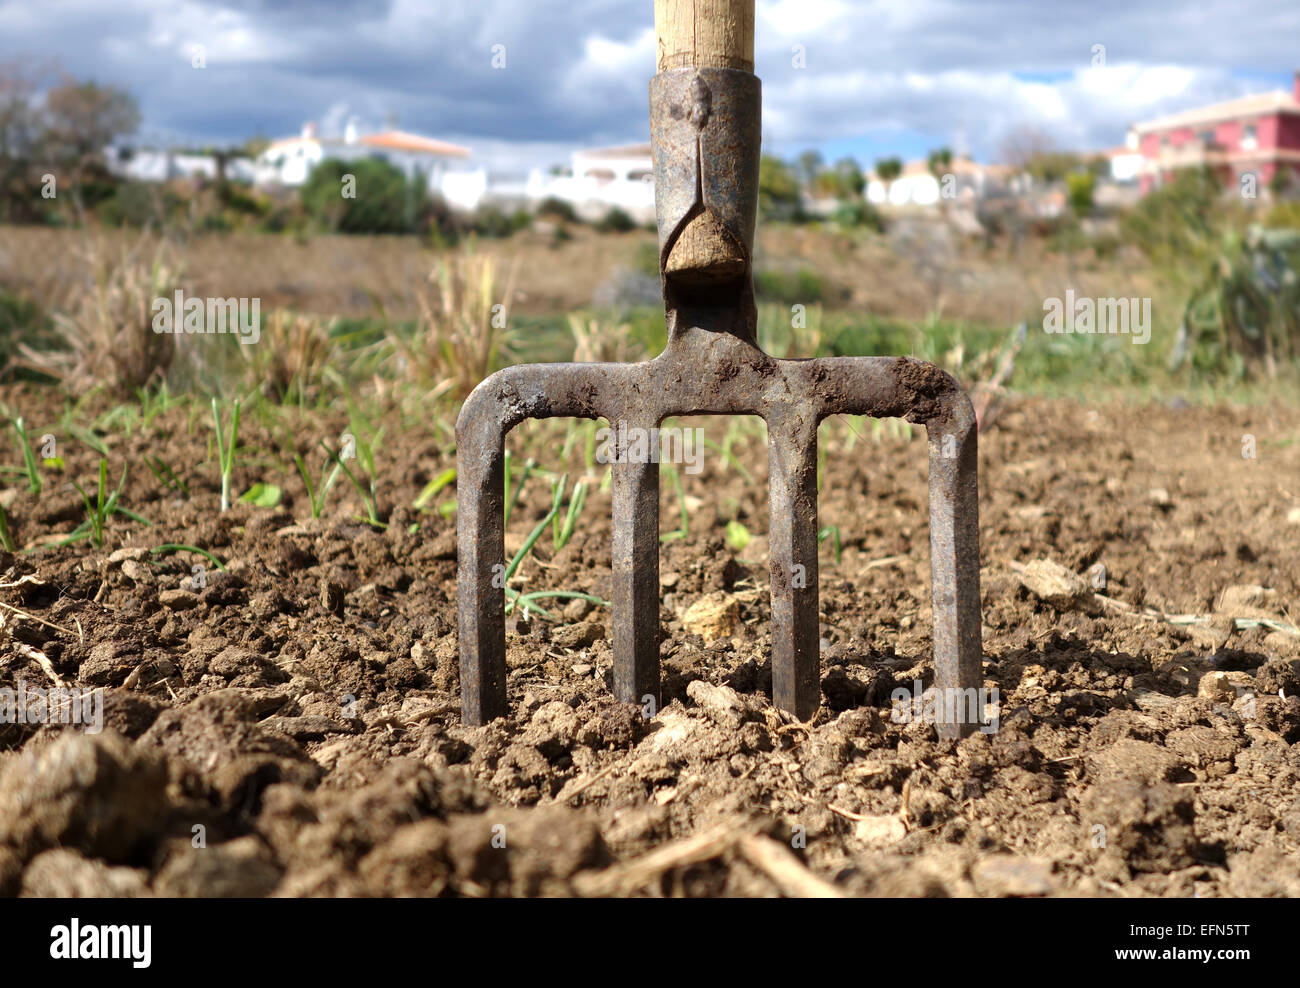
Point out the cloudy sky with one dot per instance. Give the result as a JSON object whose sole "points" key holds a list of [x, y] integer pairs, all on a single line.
{"points": [[876, 76]]}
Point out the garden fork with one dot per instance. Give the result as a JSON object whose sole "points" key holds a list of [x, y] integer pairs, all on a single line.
{"points": [[705, 127]]}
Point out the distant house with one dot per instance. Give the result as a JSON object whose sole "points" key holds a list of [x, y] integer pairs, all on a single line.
{"points": [[602, 179], [963, 181], [290, 161], [1255, 135], [1126, 161], [155, 165]]}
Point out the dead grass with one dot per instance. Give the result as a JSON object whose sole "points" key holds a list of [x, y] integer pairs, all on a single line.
{"points": [[291, 357], [107, 333], [347, 276], [463, 332]]}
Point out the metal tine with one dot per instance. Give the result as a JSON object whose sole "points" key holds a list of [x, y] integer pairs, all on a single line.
{"points": [[955, 574], [792, 480], [480, 569], [635, 591]]}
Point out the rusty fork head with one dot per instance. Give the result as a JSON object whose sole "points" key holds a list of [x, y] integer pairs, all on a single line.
{"points": [[705, 126]]}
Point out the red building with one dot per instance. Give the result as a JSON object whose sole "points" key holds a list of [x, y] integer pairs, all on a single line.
{"points": [[1255, 135]]}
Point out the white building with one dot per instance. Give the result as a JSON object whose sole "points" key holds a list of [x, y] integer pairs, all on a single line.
{"points": [[290, 161], [962, 181], [603, 179], [154, 165], [1126, 162]]}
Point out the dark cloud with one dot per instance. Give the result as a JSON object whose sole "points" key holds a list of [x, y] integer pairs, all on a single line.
{"points": [[576, 72]]}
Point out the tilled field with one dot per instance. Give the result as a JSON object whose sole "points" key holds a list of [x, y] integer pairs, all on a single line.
{"points": [[290, 725]]}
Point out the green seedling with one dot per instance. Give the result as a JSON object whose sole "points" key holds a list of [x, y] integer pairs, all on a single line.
{"points": [[738, 536], [529, 542], [317, 494], [684, 527], [86, 437], [226, 446], [365, 457], [262, 495], [831, 532], [527, 601], [98, 509], [561, 532], [728, 457], [171, 547], [29, 458], [165, 475], [124, 417], [432, 488], [529, 465], [154, 402], [6, 540]]}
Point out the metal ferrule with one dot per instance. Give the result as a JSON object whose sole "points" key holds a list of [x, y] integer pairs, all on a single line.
{"points": [[705, 131]]}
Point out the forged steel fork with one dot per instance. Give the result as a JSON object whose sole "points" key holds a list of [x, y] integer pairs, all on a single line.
{"points": [[705, 136]]}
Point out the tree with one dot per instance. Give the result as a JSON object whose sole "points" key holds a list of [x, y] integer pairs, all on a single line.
{"points": [[364, 196], [1032, 152], [253, 147], [778, 189], [1023, 144], [1079, 186], [810, 164], [83, 118], [19, 136], [889, 169], [939, 161], [849, 180], [18, 118]]}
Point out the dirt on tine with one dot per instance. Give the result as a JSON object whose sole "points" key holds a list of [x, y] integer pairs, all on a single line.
{"points": [[303, 706]]}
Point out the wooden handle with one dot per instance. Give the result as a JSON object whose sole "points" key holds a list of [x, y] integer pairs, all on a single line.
{"points": [[717, 34]]}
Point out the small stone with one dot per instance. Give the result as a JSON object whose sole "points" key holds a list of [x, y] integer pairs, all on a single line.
{"points": [[1212, 636], [177, 600], [108, 664], [880, 831], [63, 873], [1053, 583], [1011, 875], [575, 636], [1216, 686], [331, 596], [582, 669], [1245, 600], [136, 572], [576, 609], [242, 868], [127, 553], [712, 617], [722, 704], [420, 656], [1282, 644]]}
